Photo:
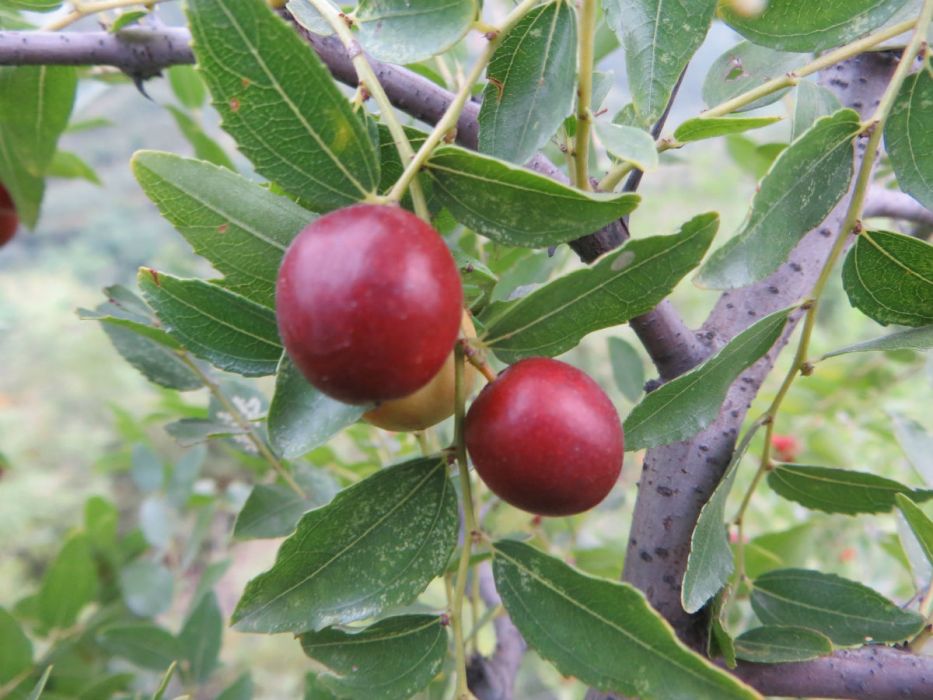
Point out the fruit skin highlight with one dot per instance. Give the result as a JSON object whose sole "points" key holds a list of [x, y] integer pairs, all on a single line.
{"points": [[368, 303], [545, 438], [433, 402], [9, 220]]}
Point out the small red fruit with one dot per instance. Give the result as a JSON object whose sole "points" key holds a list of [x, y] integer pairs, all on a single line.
{"points": [[368, 302], [9, 221], [786, 447], [545, 438]]}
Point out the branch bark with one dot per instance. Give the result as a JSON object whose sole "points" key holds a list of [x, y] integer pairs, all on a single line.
{"points": [[894, 204]]}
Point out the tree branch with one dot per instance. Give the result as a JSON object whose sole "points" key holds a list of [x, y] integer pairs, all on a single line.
{"points": [[894, 204]]}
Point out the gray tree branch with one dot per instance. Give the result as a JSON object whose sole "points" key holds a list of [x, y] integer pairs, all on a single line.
{"points": [[894, 204]]}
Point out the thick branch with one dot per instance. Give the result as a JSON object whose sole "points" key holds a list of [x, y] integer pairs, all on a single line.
{"points": [[893, 204]]}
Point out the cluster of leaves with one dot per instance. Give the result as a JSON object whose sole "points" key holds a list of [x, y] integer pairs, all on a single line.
{"points": [[347, 579]]}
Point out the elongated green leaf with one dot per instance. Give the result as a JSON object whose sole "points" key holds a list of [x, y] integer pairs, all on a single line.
{"points": [[393, 658], [240, 227], [375, 546], [69, 584], [143, 644], [631, 144], [240, 689], [187, 85], [225, 329], [839, 490], [699, 128], [273, 510], [515, 206], [916, 444], [813, 101], [623, 284], [71, 166], [159, 694], [687, 404], [660, 37], [720, 642], [40, 685], [585, 625], [920, 523], [147, 587], [788, 26], [845, 611], [628, 370], [911, 339], [744, 67], [35, 102], [908, 137], [710, 564], [408, 31], [17, 649], [777, 645], [889, 278], [281, 105], [804, 184], [301, 417], [205, 148], [531, 83], [199, 640]]}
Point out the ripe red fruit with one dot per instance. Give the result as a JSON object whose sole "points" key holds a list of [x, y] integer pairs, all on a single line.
{"points": [[545, 438], [368, 302], [9, 221], [786, 447]]}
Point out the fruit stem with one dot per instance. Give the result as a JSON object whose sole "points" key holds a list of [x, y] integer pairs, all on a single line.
{"points": [[469, 530], [585, 50], [851, 224], [243, 423], [822, 62], [369, 82], [80, 10], [449, 120]]}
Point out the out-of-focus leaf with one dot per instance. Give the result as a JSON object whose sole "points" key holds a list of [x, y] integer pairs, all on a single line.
{"points": [[779, 645], [205, 147], [699, 128], [744, 67], [908, 137], [912, 339], [627, 368], [240, 689], [813, 101], [143, 644], [920, 523], [66, 164], [147, 587], [630, 144], [199, 639], [187, 85], [916, 443], [17, 649], [408, 31], [69, 583]]}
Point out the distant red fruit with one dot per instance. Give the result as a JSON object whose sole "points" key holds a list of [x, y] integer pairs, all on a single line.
{"points": [[545, 438], [9, 221], [786, 447]]}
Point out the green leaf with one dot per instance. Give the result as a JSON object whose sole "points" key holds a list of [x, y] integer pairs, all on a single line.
{"points": [[143, 644], [375, 546], [912, 339], [779, 645], [908, 137], [787, 26], [623, 284], [241, 228], [308, 17], [194, 431], [240, 689], [301, 417], [889, 278], [531, 84], [35, 102], [845, 611], [660, 37], [689, 403], [753, 158], [408, 31], [17, 649], [813, 101], [205, 147], [916, 444], [69, 584], [158, 363], [125, 19], [70, 166], [710, 563], [200, 638], [280, 104], [390, 164], [40, 686], [188, 86], [273, 510], [229, 331], [744, 67], [585, 625], [700, 128], [720, 642], [394, 658], [838, 490], [518, 207], [147, 587], [631, 144], [919, 522], [35, 5], [159, 694], [802, 187], [628, 371]]}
